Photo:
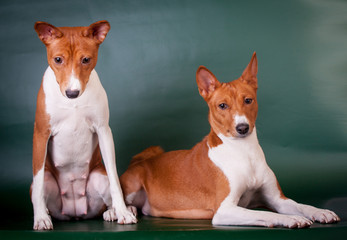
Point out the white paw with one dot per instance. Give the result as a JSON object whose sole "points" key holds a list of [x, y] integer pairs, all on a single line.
{"points": [[127, 216], [289, 221], [324, 216], [110, 215], [297, 222], [43, 222], [133, 210], [122, 217]]}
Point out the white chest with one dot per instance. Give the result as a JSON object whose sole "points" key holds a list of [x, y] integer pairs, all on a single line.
{"points": [[73, 123], [243, 163]]}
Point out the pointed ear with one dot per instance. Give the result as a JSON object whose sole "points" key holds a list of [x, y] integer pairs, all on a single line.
{"points": [[98, 31], [206, 81], [47, 32], [249, 75]]}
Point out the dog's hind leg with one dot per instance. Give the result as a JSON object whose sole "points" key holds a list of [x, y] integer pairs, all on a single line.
{"points": [[98, 193], [134, 193], [52, 196], [99, 197]]}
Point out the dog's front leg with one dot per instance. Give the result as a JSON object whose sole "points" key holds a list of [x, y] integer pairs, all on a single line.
{"points": [[231, 214], [118, 211], [42, 221], [288, 206], [42, 133], [276, 200]]}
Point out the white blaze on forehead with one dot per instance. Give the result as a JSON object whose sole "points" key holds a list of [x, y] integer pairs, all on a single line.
{"points": [[239, 119], [74, 83]]}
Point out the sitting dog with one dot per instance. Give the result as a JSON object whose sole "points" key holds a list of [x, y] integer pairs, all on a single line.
{"points": [[71, 128], [225, 174]]}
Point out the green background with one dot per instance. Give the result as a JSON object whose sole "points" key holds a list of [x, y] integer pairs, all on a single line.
{"points": [[147, 65]]}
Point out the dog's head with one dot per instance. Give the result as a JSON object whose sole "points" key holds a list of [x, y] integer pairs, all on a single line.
{"points": [[72, 53], [233, 106]]}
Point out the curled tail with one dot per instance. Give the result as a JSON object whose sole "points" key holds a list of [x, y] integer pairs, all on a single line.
{"points": [[146, 154]]}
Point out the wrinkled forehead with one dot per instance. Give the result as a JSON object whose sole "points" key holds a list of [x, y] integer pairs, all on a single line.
{"points": [[72, 42], [233, 90]]}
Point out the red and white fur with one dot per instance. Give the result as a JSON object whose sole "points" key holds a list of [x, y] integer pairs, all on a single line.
{"points": [[72, 132], [225, 175]]}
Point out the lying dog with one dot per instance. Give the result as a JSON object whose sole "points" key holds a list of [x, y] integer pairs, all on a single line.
{"points": [[223, 176]]}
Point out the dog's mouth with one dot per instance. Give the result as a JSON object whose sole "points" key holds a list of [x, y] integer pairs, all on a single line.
{"points": [[242, 135], [238, 136]]}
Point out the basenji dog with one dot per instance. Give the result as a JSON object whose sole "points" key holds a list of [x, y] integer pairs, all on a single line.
{"points": [[72, 133], [223, 177]]}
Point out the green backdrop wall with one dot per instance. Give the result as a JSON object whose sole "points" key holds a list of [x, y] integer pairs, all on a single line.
{"points": [[147, 65]]}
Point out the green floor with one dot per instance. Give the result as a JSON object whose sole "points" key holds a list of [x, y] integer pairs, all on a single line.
{"points": [[16, 223], [158, 228]]}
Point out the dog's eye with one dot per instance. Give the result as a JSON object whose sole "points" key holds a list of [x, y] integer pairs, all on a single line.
{"points": [[223, 106], [85, 60], [248, 100], [58, 60]]}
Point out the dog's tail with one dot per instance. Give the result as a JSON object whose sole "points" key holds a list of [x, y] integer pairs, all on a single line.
{"points": [[148, 153]]}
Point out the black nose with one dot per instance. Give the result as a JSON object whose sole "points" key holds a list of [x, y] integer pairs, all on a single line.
{"points": [[72, 93], [242, 128]]}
